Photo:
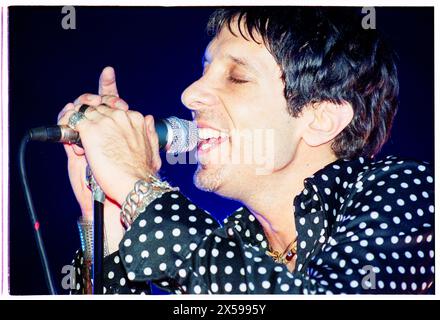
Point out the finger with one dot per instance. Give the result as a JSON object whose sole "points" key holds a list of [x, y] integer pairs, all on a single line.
{"points": [[67, 107], [87, 109], [154, 143], [107, 82], [115, 102], [91, 113], [88, 98], [149, 124], [137, 119], [77, 150], [72, 154], [105, 109], [71, 149], [64, 118], [96, 113], [84, 123], [157, 161]]}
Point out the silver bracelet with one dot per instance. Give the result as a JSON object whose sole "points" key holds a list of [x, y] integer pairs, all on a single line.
{"points": [[85, 228], [143, 193]]}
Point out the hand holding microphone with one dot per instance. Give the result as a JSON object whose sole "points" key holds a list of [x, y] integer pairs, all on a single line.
{"points": [[77, 162], [121, 147], [77, 159], [123, 143]]}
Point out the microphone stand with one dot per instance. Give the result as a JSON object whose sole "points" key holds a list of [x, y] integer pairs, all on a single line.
{"points": [[98, 198]]}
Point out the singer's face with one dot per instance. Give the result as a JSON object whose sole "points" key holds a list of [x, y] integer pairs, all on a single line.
{"points": [[245, 130]]}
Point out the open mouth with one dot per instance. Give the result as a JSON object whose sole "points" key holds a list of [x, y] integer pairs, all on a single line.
{"points": [[210, 138]]}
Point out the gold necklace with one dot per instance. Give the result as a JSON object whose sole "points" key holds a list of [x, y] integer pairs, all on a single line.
{"points": [[286, 256]]}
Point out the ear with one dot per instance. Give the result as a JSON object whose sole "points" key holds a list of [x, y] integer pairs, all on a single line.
{"points": [[326, 121]]}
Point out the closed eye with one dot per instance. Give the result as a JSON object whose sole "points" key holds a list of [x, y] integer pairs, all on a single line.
{"points": [[236, 80]]}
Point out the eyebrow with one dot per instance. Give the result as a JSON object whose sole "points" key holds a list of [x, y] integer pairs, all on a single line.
{"points": [[240, 61], [243, 63]]}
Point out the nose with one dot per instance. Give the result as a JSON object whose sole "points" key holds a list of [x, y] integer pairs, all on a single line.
{"points": [[199, 95]]}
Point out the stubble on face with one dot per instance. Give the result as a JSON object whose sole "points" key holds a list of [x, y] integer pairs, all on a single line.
{"points": [[210, 179]]}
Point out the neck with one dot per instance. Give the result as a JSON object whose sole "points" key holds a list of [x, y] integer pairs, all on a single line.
{"points": [[272, 201]]}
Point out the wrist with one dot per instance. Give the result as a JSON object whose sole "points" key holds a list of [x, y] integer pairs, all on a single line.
{"points": [[143, 192], [127, 187]]}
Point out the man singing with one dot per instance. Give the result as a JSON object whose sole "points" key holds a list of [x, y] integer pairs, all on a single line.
{"points": [[323, 217]]}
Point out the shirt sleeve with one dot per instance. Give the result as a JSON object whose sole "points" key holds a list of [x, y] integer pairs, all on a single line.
{"points": [[115, 277], [161, 242], [183, 250]]}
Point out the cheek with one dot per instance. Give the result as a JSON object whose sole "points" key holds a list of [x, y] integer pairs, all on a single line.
{"points": [[286, 138], [284, 151], [263, 114], [271, 136], [255, 109]]}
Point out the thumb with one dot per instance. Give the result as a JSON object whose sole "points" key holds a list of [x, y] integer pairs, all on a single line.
{"points": [[107, 82], [153, 141]]}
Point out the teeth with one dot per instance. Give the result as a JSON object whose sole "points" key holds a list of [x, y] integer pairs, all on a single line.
{"points": [[207, 133]]}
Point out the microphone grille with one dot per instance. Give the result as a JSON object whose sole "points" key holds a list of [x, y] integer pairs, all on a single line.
{"points": [[184, 135]]}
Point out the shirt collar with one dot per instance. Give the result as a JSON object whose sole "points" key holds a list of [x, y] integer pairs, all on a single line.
{"points": [[325, 189], [315, 209]]}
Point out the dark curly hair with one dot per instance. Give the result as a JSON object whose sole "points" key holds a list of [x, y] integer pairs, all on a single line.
{"points": [[326, 55]]}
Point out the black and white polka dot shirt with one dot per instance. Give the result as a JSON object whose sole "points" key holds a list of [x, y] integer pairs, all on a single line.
{"points": [[362, 227]]}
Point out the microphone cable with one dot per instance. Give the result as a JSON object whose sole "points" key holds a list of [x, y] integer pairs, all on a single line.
{"points": [[33, 215]]}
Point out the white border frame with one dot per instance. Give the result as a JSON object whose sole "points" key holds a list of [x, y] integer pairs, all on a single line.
{"points": [[4, 147]]}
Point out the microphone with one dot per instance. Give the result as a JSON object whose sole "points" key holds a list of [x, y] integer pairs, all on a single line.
{"points": [[175, 135]]}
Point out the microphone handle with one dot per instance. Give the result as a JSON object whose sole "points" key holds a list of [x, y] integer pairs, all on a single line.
{"points": [[162, 130], [67, 135], [55, 134]]}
